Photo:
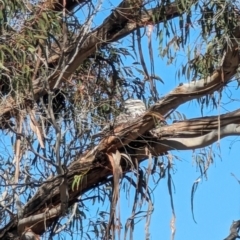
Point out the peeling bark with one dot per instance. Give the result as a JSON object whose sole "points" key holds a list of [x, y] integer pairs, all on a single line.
{"points": [[104, 34], [199, 132], [44, 207], [234, 229], [95, 168]]}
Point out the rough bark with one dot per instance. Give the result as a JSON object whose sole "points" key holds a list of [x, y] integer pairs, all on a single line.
{"points": [[94, 167], [104, 34], [234, 229]]}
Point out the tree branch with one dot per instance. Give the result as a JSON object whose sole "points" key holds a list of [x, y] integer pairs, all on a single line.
{"points": [[94, 167], [104, 34], [234, 229], [199, 132]]}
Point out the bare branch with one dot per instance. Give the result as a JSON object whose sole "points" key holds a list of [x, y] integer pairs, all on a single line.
{"points": [[104, 34], [95, 168]]}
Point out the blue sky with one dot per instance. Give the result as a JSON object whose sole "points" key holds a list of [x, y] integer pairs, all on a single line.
{"points": [[217, 199]]}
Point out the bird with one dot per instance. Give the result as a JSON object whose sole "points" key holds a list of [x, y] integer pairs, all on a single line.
{"points": [[132, 108]]}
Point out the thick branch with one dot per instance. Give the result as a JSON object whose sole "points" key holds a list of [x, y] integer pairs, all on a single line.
{"points": [[94, 167], [123, 20], [234, 229], [104, 34], [197, 133], [94, 164]]}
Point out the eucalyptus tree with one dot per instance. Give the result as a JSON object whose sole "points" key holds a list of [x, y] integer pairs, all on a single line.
{"points": [[64, 79]]}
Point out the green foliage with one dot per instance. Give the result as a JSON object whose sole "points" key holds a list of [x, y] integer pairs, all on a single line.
{"points": [[22, 35], [216, 21], [37, 44]]}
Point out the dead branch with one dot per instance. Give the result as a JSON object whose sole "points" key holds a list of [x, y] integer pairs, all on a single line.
{"points": [[95, 168], [234, 229], [104, 34]]}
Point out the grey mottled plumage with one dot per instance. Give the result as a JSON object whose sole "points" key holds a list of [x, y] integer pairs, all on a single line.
{"points": [[132, 109]]}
